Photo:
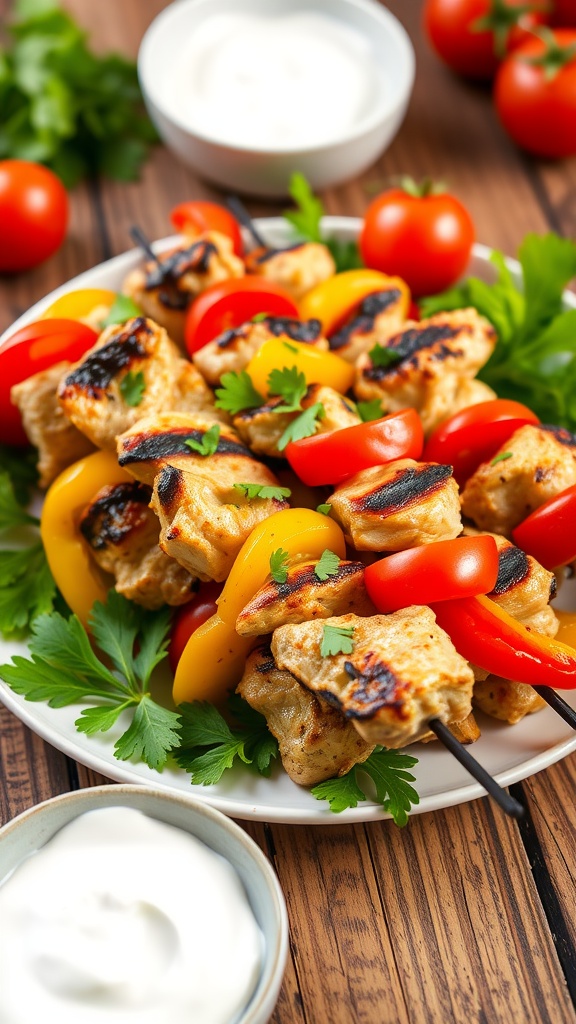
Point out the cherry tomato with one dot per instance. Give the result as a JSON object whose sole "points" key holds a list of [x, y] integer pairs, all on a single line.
{"points": [[563, 14], [424, 237], [230, 303], [31, 349], [443, 571], [472, 36], [549, 533], [189, 617], [331, 458], [475, 434], [78, 304], [33, 214], [537, 102], [199, 215]]}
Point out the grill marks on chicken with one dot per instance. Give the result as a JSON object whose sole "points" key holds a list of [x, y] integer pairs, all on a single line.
{"points": [[122, 533], [540, 462], [233, 350], [315, 741], [393, 507], [262, 428], [430, 366], [297, 268], [378, 316], [403, 671]]}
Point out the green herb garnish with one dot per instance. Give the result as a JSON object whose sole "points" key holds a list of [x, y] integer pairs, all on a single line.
{"points": [[290, 385], [371, 410], [27, 588], [336, 640], [387, 769], [121, 310], [209, 443], [502, 457], [209, 746], [279, 561], [382, 356], [251, 491], [132, 388], [307, 217], [324, 509], [327, 565], [237, 393], [303, 426]]}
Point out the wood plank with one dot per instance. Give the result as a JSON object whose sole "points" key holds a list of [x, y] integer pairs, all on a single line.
{"points": [[30, 770]]}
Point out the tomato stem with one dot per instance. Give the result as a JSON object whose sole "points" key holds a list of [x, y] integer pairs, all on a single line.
{"points": [[502, 18], [554, 57], [427, 187]]}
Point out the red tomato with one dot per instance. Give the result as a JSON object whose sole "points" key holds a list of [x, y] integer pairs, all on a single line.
{"points": [[31, 349], [536, 103], [471, 49], [33, 214], [230, 303], [564, 13], [475, 434], [189, 617], [448, 569], [549, 533], [331, 458], [424, 239], [194, 217]]}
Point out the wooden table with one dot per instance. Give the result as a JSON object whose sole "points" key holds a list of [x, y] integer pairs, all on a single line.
{"points": [[463, 916]]}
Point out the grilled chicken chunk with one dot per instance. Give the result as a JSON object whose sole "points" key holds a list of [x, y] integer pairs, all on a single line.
{"points": [[262, 428], [58, 441], [304, 597], [399, 505], [509, 702], [297, 268], [315, 740], [233, 350], [403, 671], [164, 292], [95, 393], [378, 316], [427, 364], [122, 532], [538, 462]]}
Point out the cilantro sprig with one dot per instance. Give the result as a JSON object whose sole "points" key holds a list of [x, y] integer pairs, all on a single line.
{"points": [[306, 219], [327, 565], [132, 387], [122, 309], [371, 410], [209, 442], [251, 491], [237, 393], [64, 669], [388, 771], [336, 640], [303, 426], [209, 746], [279, 561], [290, 385]]}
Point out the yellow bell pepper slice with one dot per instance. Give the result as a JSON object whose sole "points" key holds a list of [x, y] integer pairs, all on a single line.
{"points": [[77, 576], [318, 367], [333, 300], [213, 659], [78, 305]]}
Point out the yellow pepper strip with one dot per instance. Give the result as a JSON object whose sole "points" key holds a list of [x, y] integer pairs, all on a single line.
{"points": [[213, 659], [76, 574], [318, 367], [78, 305], [333, 300]]}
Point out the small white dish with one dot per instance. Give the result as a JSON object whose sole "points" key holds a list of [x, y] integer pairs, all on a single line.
{"points": [[31, 830], [266, 171]]}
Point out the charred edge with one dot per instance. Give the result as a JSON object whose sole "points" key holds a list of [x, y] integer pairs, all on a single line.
{"points": [[306, 331], [409, 486], [374, 688], [99, 368], [114, 515], [268, 254], [553, 588], [409, 343], [300, 578], [149, 447], [265, 658], [195, 258], [562, 435], [363, 321], [513, 568], [169, 485]]}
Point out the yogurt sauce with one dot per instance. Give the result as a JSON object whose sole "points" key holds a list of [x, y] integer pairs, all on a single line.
{"points": [[285, 82], [123, 918]]}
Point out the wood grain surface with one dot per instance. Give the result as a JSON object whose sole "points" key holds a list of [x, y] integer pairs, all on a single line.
{"points": [[462, 916]]}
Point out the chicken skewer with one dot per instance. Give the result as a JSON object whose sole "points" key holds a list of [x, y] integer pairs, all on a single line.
{"points": [[512, 807]]}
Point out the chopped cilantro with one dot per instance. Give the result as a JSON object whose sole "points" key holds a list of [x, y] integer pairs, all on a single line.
{"points": [[303, 426], [382, 356], [251, 491], [327, 565], [237, 392], [132, 388], [121, 310], [289, 384], [368, 411], [336, 640], [502, 457], [279, 565], [209, 443], [324, 509]]}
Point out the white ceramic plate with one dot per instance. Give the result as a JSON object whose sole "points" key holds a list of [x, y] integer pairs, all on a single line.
{"points": [[509, 753]]}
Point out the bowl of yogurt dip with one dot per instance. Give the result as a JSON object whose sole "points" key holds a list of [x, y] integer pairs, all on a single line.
{"points": [[123, 902], [248, 92]]}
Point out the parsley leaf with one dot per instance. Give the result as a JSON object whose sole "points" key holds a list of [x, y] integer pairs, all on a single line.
{"points": [[210, 746], [20, 465], [502, 457], [382, 356], [307, 218], [327, 565], [12, 514], [371, 410], [27, 588], [64, 669], [208, 444], [290, 385], [237, 392], [324, 509], [303, 426], [336, 640], [387, 769], [121, 310], [132, 387], [279, 565], [251, 491]]}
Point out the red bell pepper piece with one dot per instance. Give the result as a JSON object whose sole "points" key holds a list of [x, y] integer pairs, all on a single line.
{"points": [[549, 533]]}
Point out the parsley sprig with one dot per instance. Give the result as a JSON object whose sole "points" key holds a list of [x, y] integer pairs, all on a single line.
{"points": [[237, 393], [132, 387], [336, 640], [209, 746], [208, 443], [290, 385], [307, 217], [251, 491], [388, 772], [279, 561], [122, 309], [371, 410], [303, 426], [327, 565]]}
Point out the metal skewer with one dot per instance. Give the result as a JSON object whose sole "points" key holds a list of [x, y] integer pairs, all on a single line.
{"points": [[508, 804], [139, 237], [236, 206], [557, 703]]}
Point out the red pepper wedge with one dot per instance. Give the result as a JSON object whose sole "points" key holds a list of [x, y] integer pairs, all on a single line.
{"points": [[489, 637], [549, 533]]}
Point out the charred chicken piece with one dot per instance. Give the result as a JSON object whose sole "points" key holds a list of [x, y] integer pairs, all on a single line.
{"points": [[58, 441], [403, 671], [535, 464], [262, 428], [378, 316], [315, 740], [233, 350], [304, 597], [122, 533], [297, 268], [95, 395], [399, 505], [427, 364], [165, 292]]}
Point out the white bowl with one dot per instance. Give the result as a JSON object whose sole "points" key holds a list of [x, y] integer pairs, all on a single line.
{"points": [[32, 829], [267, 172]]}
